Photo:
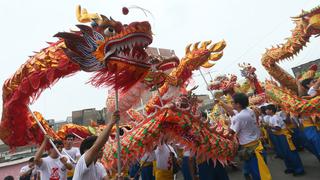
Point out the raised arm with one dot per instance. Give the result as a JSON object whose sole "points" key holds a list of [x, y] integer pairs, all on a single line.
{"points": [[226, 107], [23, 174], [37, 157], [317, 84], [65, 162], [93, 152], [301, 90]]}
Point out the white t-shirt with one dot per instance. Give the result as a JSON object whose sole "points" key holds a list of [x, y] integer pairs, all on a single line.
{"points": [[53, 169], [276, 120], [245, 125], [282, 115], [26, 168], [163, 158], [95, 171], [149, 157], [312, 91], [73, 153], [186, 153], [266, 119]]}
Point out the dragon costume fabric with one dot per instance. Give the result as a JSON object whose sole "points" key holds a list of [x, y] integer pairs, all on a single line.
{"points": [[117, 56], [228, 85], [113, 51], [307, 25], [173, 112]]}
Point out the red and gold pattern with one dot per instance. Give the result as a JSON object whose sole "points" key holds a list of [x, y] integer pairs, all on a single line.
{"points": [[116, 54], [107, 48], [37, 74], [194, 58], [290, 102]]}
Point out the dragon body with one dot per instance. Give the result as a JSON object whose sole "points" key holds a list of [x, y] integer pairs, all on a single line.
{"points": [[307, 25], [228, 85], [291, 102], [174, 113], [116, 54]]}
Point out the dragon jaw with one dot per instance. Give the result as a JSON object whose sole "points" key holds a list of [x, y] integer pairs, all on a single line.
{"points": [[129, 45], [311, 19], [116, 52], [93, 47]]}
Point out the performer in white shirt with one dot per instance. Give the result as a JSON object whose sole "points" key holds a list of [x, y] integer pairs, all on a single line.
{"points": [[28, 171], [52, 167], [91, 150], [73, 152], [164, 160], [146, 164], [244, 124], [291, 157]]}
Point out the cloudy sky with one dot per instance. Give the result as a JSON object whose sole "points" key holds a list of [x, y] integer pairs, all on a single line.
{"points": [[248, 27]]}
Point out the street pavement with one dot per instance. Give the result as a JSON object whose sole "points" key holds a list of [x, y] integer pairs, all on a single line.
{"points": [[276, 166]]}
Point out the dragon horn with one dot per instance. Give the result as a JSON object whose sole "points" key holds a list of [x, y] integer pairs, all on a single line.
{"points": [[218, 46], [83, 16], [105, 18], [188, 48], [195, 46]]}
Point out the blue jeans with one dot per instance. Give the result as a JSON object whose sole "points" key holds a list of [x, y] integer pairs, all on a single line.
{"points": [[250, 167], [296, 138], [312, 140], [291, 157], [147, 173], [276, 145], [133, 170]]}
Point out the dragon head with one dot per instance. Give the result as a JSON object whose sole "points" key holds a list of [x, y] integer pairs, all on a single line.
{"points": [[248, 71], [109, 47], [224, 83], [200, 56], [311, 20]]}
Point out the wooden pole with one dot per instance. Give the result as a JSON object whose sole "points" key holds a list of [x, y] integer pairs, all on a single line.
{"points": [[45, 133]]}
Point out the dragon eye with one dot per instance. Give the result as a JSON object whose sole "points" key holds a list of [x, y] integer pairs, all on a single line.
{"points": [[109, 31]]}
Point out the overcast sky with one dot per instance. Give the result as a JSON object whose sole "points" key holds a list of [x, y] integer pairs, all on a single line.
{"points": [[248, 27]]}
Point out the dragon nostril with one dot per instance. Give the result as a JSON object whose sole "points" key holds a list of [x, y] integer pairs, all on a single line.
{"points": [[146, 25]]}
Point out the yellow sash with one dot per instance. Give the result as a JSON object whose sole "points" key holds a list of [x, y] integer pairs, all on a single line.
{"points": [[145, 164], [263, 168], [164, 174], [154, 168], [307, 122], [291, 126], [70, 172], [286, 133]]}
